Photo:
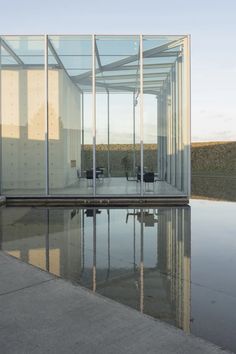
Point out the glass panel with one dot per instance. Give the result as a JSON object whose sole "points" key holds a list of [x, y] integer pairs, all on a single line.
{"points": [[117, 115], [163, 113], [70, 114], [23, 115], [70, 148]]}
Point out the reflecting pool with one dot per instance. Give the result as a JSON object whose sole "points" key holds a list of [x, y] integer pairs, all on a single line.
{"points": [[173, 263]]}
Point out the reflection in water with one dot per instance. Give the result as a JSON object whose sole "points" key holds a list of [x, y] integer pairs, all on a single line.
{"points": [[139, 257]]}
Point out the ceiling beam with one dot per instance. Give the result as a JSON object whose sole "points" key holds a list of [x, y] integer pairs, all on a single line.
{"points": [[130, 59], [145, 66], [11, 52], [122, 77], [99, 63], [59, 62], [54, 53], [127, 87]]}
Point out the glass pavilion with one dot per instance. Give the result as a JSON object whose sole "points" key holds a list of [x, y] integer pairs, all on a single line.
{"points": [[95, 115]]}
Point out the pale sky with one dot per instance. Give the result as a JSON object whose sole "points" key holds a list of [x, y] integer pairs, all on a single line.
{"points": [[211, 23]]}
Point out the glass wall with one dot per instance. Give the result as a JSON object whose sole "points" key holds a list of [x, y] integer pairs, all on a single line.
{"points": [[69, 114], [117, 115], [164, 142], [95, 115]]}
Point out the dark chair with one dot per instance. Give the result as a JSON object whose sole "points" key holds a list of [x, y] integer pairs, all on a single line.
{"points": [[149, 177], [92, 212], [100, 173], [138, 173], [138, 170], [89, 175]]}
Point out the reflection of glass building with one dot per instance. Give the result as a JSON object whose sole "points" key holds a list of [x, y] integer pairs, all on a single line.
{"points": [[139, 257], [110, 109]]}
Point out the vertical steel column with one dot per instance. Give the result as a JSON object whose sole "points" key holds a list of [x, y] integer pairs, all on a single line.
{"points": [[164, 129], [141, 108], [134, 240], [169, 128], [134, 155], [163, 139], [173, 118], [160, 136], [157, 149], [180, 121], [82, 152], [108, 134], [186, 117], [46, 114], [166, 108], [176, 126], [94, 112], [1, 159], [188, 113]]}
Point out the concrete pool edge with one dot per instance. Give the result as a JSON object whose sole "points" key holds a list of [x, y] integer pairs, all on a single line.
{"points": [[95, 201], [38, 304]]}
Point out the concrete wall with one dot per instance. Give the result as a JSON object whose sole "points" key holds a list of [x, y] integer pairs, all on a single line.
{"points": [[23, 130], [216, 158], [64, 130]]}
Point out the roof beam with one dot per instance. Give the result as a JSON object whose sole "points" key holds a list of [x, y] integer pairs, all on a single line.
{"points": [[11, 52], [133, 83], [100, 64], [146, 54], [54, 53], [59, 62], [122, 77], [128, 87], [145, 66], [30, 66], [164, 54], [130, 59]]}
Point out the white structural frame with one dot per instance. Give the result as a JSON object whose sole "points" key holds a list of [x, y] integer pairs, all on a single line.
{"points": [[161, 106]]}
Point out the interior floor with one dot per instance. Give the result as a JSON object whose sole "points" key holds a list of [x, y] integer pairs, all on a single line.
{"points": [[106, 186]]}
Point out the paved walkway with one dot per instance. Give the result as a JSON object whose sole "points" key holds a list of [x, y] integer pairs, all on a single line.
{"points": [[40, 313]]}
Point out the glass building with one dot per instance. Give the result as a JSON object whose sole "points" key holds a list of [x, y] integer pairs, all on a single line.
{"points": [[95, 116]]}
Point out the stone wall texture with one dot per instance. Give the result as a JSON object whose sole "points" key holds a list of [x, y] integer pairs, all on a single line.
{"points": [[210, 158], [214, 158]]}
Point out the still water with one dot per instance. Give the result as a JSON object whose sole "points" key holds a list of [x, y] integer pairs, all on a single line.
{"points": [[177, 264]]}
